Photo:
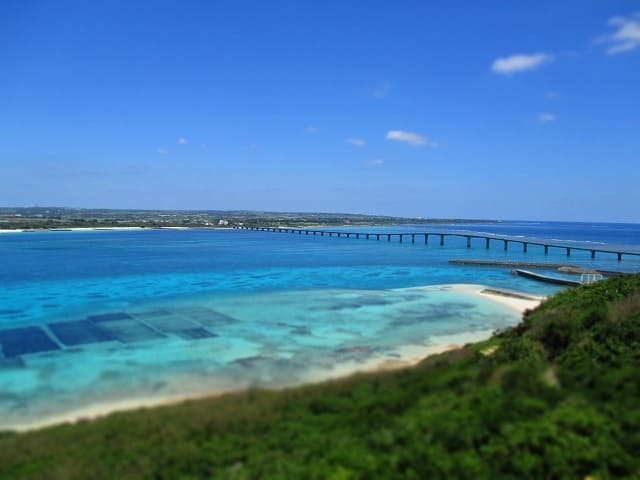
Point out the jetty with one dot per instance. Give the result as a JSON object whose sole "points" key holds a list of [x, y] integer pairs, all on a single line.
{"points": [[546, 278], [486, 240]]}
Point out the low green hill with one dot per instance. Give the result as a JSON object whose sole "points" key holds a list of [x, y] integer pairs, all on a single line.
{"points": [[558, 398]]}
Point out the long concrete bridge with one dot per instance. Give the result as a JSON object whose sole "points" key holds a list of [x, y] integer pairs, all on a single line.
{"points": [[440, 236]]}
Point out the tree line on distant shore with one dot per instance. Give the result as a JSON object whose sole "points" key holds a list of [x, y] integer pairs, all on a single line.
{"points": [[56, 217]]}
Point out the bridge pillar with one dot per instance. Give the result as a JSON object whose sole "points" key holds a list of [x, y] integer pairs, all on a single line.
{"points": [[339, 234], [593, 254], [441, 240], [568, 252], [546, 249], [357, 235], [306, 232], [367, 237], [468, 242], [619, 257], [486, 243], [426, 238], [322, 234], [413, 238], [348, 235], [400, 238], [506, 245], [377, 236], [388, 237], [299, 232], [524, 247]]}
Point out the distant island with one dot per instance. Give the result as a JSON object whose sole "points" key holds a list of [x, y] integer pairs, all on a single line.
{"points": [[64, 217]]}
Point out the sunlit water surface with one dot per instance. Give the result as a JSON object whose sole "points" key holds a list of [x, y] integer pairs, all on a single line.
{"points": [[99, 317]]}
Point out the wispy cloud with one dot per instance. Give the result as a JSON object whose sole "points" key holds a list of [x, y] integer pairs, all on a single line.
{"points": [[626, 36], [182, 141], [358, 142], [410, 138], [546, 117], [551, 95], [375, 162], [163, 151], [311, 129], [519, 63], [381, 90]]}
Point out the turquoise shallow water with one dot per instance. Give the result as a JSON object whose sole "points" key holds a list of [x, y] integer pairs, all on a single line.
{"points": [[94, 317]]}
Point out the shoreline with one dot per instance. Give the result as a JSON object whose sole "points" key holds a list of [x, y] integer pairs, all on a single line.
{"points": [[101, 229], [410, 355]]}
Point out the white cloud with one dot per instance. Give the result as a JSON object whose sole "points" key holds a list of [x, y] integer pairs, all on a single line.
{"points": [[311, 129], [183, 141], [358, 142], [413, 139], [627, 34], [546, 117], [519, 63], [163, 151], [381, 90], [376, 162]]}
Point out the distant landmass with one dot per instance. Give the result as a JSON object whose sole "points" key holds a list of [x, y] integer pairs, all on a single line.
{"points": [[64, 217]]}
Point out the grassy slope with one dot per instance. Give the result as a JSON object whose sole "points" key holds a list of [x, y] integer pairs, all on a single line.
{"points": [[560, 398]]}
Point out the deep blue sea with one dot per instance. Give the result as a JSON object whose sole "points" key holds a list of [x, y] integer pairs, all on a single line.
{"points": [[96, 317]]}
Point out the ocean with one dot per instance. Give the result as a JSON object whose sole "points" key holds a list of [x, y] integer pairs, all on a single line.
{"points": [[90, 319]]}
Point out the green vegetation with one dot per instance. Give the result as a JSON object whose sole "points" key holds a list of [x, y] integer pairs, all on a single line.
{"points": [[57, 217], [559, 397]]}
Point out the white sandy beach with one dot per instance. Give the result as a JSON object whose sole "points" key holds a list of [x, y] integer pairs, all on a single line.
{"points": [[73, 229], [99, 229]]}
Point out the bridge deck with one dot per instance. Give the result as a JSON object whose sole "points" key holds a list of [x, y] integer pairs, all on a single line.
{"points": [[442, 235]]}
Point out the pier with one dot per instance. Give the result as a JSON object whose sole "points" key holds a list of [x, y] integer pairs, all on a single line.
{"points": [[486, 240], [546, 278]]}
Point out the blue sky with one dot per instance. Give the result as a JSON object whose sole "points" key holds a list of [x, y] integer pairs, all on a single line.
{"points": [[493, 109]]}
